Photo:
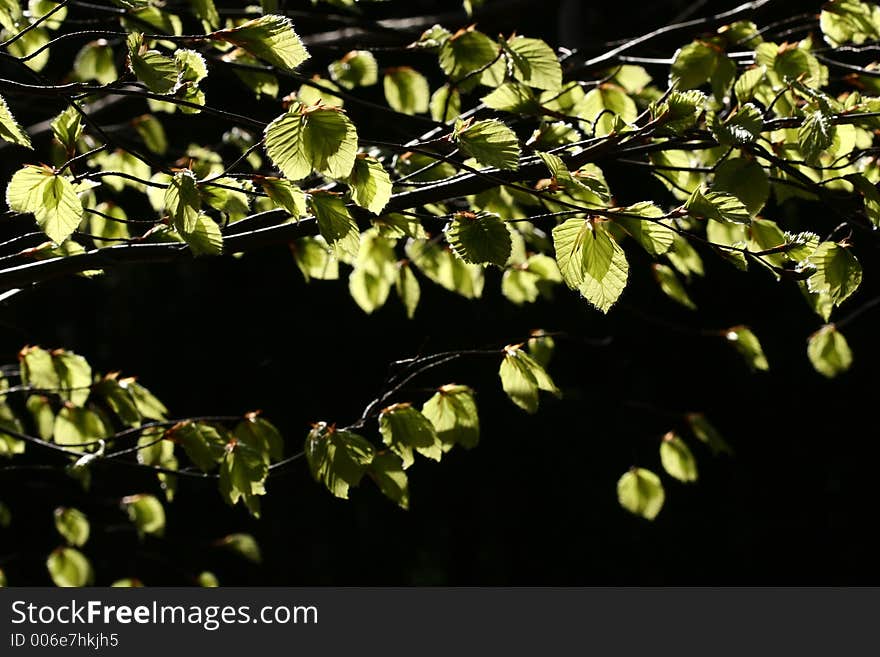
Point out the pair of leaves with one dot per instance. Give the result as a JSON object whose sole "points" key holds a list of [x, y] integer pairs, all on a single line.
{"points": [[50, 197], [522, 378], [591, 261], [317, 138]]}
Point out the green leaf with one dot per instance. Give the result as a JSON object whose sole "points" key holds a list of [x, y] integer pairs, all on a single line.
{"points": [[719, 206], [73, 526], [469, 58], [337, 458], [838, 273], [490, 142], [406, 90], [285, 195], [244, 545], [202, 443], [602, 104], [206, 11], [480, 239], [319, 138], [370, 184], [260, 434], [206, 238], [512, 97], [700, 62], [744, 179], [522, 377], [51, 198], [243, 473], [9, 445], [870, 194], [67, 127], [707, 433], [357, 68], [445, 104], [386, 470], [640, 492], [405, 429], [41, 412], [375, 270], [183, 201], [151, 67], [740, 128], [76, 426], [654, 236], [446, 269], [591, 261], [453, 412], [9, 129], [829, 352], [74, 376], [534, 63], [95, 61], [748, 346], [815, 135], [335, 222], [849, 21], [315, 259], [70, 568], [147, 514], [207, 579], [271, 38], [671, 286], [147, 403], [677, 458], [408, 288]]}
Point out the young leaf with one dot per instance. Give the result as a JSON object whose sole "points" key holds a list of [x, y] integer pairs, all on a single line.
{"points": [[9, 129], [677, 458], [490, 142], [335, 222], [408, 289], [707, 433], [147, 514], [815, 135], [206, 238], [202, 443], [746, 180], [405, 429], [51, 198], [406, 90], [445, 104], [77, 426], [271, 38], [838, 272], [719, 206], [67, 127], [534, 63], [70, 568], [284, 194], [522, 377], [453, 412], [479, 239], [337, 458], [151, 67], [243, 473], [73, 526], [243, 545], [671, 286], [640, 492], [315, 259], [386, 470], [370, 184], [741, 128], [829, 352], [357, 68], [469, 57], [183, 201], [748, 346], [591, 261]]}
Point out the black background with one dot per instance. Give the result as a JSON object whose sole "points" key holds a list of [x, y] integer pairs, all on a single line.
{"points": [[535, 503]]}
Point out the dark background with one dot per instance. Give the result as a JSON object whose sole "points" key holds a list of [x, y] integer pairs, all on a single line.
{"points": [[535, 503]]}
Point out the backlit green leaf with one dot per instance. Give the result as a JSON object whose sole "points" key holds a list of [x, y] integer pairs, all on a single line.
{"points": [[838, 272], [73, 526], [9, 129], [677, 458], [748, 346], [453, 412], [490, 142], [337, 458], [70, 568], [404, 430], [479, 239], [640, 492], [271, 38], [406, 90], [522, 377], [829, 352]]}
